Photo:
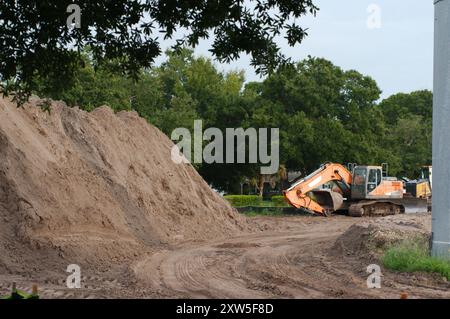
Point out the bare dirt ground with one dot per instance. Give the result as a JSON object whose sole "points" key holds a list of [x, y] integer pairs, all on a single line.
{"points": [[295, 257]]}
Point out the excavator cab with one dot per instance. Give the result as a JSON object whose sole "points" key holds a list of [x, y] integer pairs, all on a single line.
{"points": [[369, 182], [426, 173], [365, 180]]}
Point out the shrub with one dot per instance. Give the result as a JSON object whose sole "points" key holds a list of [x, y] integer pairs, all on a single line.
{"points": [[244, 200], [278, 200]]}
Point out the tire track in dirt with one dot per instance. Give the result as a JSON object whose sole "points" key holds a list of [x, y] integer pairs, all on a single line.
{"points": [[293, 258], [293, 263], [255, 266]]}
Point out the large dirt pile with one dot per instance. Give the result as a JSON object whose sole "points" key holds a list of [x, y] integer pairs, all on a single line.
{"points": [[369, 238], [91, 188]]}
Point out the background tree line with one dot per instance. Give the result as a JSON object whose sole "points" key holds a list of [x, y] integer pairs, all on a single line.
{"points": [[324, 113]]}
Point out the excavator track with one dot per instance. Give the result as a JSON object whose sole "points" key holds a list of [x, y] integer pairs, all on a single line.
{"points": [[375, 208]]}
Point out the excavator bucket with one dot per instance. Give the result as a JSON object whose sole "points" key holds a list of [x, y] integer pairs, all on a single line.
{"points": [[331, 201], [415, 205]]}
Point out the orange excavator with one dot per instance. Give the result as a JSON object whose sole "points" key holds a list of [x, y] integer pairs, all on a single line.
{"points": [[366, 191]]}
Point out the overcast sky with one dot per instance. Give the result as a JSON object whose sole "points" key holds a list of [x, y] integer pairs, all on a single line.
{"points": [[398, 55]]}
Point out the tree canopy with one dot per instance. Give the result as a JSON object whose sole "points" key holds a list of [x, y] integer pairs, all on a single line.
{"points": [[35, 39], [408, 133], [324, 113]]}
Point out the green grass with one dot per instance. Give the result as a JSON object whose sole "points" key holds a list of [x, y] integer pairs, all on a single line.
{"points": [[412, 256], [270, 211], [271, 204]]}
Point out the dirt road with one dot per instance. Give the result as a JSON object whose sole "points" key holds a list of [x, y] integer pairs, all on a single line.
{"points": [[292, 258], [295, 261]]}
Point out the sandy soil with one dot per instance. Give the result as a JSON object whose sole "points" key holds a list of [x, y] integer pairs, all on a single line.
{"points": [[96, 189], [295, 257]]}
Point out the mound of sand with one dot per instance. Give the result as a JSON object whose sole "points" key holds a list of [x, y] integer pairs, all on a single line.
{"points": [[95, 188], [370, 238]]}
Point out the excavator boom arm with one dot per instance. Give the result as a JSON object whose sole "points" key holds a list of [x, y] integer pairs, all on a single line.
{"points": [[297, 196]]}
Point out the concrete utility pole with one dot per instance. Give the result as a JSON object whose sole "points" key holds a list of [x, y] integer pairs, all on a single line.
{"points": [[441, 131]]}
